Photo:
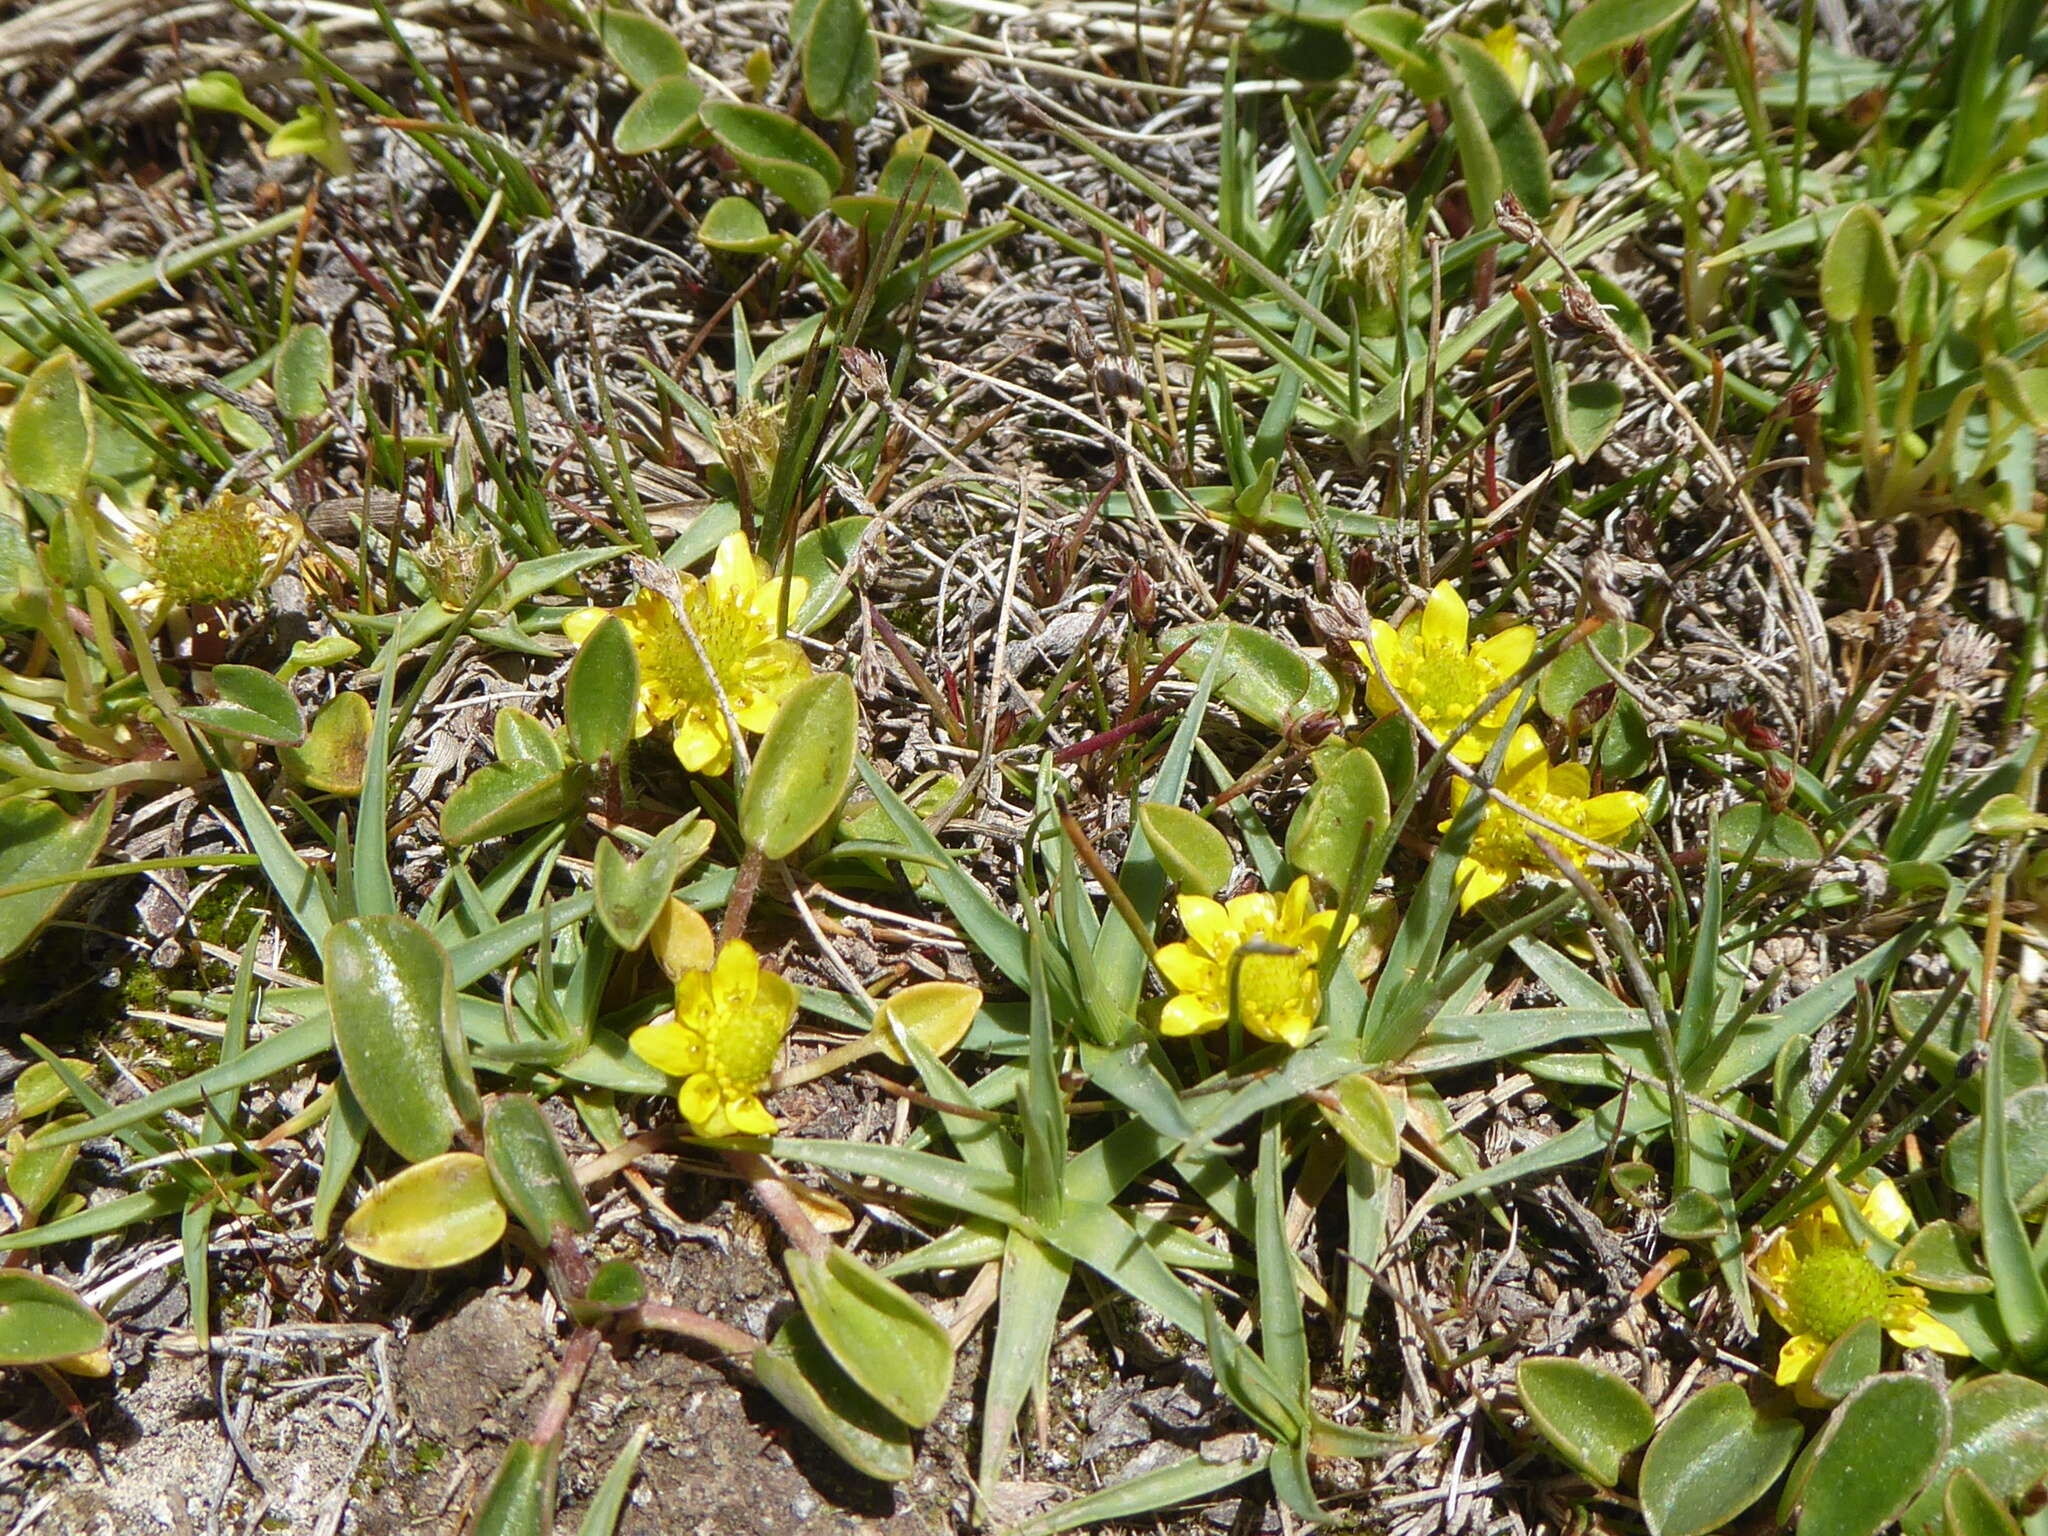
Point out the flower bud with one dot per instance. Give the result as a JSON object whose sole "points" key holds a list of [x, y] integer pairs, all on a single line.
{"points": [[458, 557], [750, 440], [1144, 603], [1777, 783]]}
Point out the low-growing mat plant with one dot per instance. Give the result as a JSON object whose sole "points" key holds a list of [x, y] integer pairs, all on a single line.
{"points": [[1301, 743]]}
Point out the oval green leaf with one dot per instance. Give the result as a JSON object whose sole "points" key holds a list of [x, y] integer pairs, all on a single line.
{"points": [[39, 1089], [800, 1374], [1859, 269], [802, 768], [1850, 1361], [1367, 1117], [41, 1321], [661, 116], [1936, 1258], [2000, 1433], [303, 376], [841, 62], [435, 1214], [642, 47], [1587, 1412], [503, 798], [822, 558], [1598, 28], [2026, 1152], [926, 183], [1339, 816], [1575, 674], [602, 697], [336, 751], [533, 1175], [1261, 676], [1394, 32], [889, 1345], [1195, 856], [50, 430], [1875, 1452], [1754, 833], [39, 842], [631, 893], [254, 706], [1592, 409], [1503, 125], [735, 224], [1713, 1458], [38, 1165], [1971, 1509], [391, 995], [778, 152]]}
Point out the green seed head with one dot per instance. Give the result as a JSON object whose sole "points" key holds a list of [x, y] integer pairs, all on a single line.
{"points": [[1833, 1289], [458, 557], [213, 553]]}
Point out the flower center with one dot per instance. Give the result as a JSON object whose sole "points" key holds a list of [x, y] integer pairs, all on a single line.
{"points": [[1833, 1289], [1446, 682], [743, 1049], [725, 629], [1271, 986]]}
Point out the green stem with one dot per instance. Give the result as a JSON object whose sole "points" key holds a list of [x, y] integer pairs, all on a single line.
{"points": [[135, 867]]}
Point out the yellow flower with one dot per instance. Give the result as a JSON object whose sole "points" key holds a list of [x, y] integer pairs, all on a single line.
{"points": [[1504, 850], [1267, 945], [723, 1042], [733, 613], [1819, 1283], [1431, 665]]}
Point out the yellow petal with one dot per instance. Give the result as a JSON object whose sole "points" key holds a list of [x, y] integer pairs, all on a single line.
{"points": [[1909, 1322], [700, 1105], [702, 747], [99, 1363], [736, 975], [1290, 1029], [1885, 1209], [668, 1048], [1471, 747], [1253, 911], [1444, 619], [1459, 790], [1188, 970], [733, 568], [1297, 905], [776, 995], [749, 1117], [681, 939], [1187, 1014], [1525, 769], [1570, 781], [767, 604], [1507, 652], [1479, 882], [1796, 1359], [1207, 923], [1774, 1268], [579, 625], [1613, 816], [1389, 646]]}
